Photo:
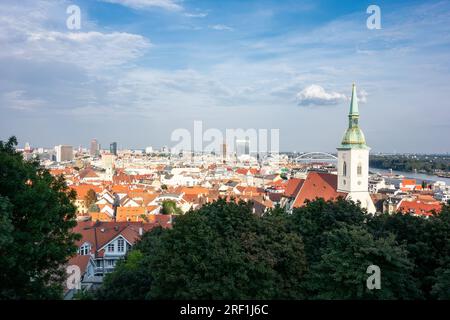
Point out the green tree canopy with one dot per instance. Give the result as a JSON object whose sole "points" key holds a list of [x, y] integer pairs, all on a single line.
{"points": [[321, 251], [170, 207], [344, 258], [427, 240], [36, 215], [339, 247], [221, 251]]}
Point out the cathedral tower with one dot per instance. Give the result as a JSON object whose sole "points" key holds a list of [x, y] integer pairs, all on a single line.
{"points": [[353, 160]]}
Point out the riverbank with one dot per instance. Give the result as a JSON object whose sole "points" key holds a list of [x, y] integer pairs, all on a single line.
{"points": [[418, 176]]}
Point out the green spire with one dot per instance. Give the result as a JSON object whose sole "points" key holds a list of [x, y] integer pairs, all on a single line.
{"points": [[354, 137], [354, 102]]}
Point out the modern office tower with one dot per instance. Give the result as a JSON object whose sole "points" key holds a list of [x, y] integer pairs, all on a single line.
{"points": [[64, 153], [94, 150], [113, 148], [242, 147]]}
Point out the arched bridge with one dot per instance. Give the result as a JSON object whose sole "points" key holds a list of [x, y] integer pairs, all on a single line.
{"points": [[316, 157]]}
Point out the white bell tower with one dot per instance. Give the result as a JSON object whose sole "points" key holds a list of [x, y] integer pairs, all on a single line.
{"points": [[353, 161]]}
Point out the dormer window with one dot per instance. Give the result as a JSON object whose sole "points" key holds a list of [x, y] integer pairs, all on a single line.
{"points": [[85, 249]]}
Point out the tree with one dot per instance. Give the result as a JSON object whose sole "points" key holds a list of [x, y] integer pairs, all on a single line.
{"points": [[36, 214], [340, 273], [441, 286], [424, 184], [90, 198], [94, 208], [339, 247], [221, 251], [317, 217], [426, 239], [170, 207]]}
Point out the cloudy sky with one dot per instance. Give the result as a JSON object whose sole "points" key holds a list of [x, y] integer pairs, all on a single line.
{"points": [[139, 69]]}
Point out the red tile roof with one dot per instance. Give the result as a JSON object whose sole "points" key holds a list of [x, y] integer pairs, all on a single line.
{"points": [[293, 187], [99, 234], [411, 182], [82, 189], [80, 261], [318, 185], [419, 207]]}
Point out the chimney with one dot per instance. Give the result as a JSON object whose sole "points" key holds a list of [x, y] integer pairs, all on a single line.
{"points": [[141, 231]]}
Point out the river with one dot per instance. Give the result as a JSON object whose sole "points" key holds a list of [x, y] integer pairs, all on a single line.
{"points": [[418, 176]]}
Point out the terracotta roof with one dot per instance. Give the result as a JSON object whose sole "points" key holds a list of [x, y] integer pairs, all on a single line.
{"points": [[293, 187], [411, 182], [82, 189], [194, 190], [318, 185], [120, 188], [419, 207], [99, 234], [80, 261], [88, 173]]}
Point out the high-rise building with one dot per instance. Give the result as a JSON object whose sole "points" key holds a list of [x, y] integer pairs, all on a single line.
{"points": [[64, 153], [148, 149], [242, 147], [224, 150], [113, 148], [94, 149], [353, 160]]}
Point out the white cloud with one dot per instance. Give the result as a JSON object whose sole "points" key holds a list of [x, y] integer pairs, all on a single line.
{"points": [[170, 5], [362, 95], [221, 27], [89, 50], [196, 14], [316, 95], [34, 38]]}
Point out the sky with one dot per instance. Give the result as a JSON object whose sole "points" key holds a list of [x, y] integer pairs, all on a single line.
{"points": [[137, 70]]}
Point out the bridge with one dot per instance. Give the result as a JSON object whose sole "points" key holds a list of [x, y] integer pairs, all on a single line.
{"points": [[315, 157]]}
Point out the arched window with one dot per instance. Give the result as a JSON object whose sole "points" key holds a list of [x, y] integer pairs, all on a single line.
{"points": [[344, 169], [359, 169]]}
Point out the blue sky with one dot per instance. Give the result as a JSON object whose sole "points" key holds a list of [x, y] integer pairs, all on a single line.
{"points": [[139, 69]]}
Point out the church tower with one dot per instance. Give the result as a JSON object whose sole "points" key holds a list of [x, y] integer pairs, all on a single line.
{"points": [[353, 160]]}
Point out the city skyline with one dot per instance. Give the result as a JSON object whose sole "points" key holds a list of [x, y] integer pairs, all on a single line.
{"points": [[138, 70]]}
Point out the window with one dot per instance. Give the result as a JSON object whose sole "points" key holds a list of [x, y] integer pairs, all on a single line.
{"points": [[120, 245], [110, 263], [359, 169], [344, 169], [84, 249], [111, 247]]}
